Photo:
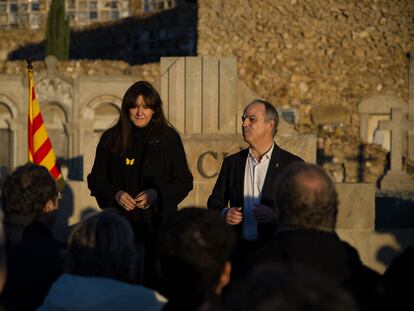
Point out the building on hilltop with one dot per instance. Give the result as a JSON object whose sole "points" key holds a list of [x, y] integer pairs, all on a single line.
{"points": [[22, 13], [136, 31], [32, 14]]}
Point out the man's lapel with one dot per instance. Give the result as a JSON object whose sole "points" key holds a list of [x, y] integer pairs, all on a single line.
{"points": [[268, 184], [240, 171]]}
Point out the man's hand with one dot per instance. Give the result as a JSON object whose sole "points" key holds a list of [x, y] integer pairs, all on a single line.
{"points": [[263, 213], [125, 200], [145, 198], [234, 216]]}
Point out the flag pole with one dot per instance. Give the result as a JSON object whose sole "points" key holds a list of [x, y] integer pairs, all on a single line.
{"points": [[30, 130], [40, 149]]}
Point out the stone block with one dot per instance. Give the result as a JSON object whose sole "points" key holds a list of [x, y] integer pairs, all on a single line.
{"points": [[193, 95], [398, 181], [191, 199], [356, 206], [204, 191], [330, 114], [210, 96], [205, 153], [302, 145]]}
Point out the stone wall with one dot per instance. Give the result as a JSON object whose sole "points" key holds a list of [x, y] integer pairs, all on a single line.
{"points": [[319, 57], [11, 40]]}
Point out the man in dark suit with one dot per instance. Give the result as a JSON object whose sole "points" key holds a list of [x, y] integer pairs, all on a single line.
{"points": [[247, 178]]}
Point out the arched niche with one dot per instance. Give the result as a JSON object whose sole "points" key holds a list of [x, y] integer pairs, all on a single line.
{"points": [[55, 118], [105, 115], [8, 115], [5, 136], [100, 113], [104, 111], [371, 111]]}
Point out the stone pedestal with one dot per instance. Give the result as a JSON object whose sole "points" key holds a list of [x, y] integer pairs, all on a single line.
{"points": [[397, 181]]}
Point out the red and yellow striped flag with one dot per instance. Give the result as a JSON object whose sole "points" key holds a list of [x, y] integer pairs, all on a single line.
{"points": [[40, 148]]}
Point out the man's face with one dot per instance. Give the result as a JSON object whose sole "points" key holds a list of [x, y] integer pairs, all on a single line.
{"points": [[255, 127], [141, 114]]}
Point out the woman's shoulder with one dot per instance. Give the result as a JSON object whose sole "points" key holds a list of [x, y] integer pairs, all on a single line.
{"points": [[106, 136], [170, 133]]}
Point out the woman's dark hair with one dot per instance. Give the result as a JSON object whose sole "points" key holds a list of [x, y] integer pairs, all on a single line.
{"points": [[120, 138], [103, 246]]}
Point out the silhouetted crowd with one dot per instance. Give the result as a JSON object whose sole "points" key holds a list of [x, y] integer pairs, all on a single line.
{"points": [[304, 265]]}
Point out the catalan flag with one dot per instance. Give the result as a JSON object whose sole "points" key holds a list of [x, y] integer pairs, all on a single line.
{"points": [[40, 147]]}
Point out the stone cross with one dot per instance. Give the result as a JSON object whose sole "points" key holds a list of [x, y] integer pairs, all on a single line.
{"points": [[411, 106], [398, 125]]}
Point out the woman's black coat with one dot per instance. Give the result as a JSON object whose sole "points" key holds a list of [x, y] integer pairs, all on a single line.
{"points": [[162, 165]]}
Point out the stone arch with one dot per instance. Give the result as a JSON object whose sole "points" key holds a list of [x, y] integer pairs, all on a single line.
{"points": [[98, 113], [103, 110], [6, 114], [11, 106], [55, 114], [8, 121], [371, 111]]}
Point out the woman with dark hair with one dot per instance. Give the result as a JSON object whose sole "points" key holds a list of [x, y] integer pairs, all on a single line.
{"points": [[100, 266], [141, 168]]}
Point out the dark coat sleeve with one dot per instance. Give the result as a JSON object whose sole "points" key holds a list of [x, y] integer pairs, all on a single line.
{"points": [[219, 198], [99, 180], [180, 178]]}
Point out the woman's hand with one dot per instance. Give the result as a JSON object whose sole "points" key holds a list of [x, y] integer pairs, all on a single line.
{"points": [[125, 200], [147, 197]]}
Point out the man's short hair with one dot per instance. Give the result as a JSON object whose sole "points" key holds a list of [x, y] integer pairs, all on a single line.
{"points": [[271, 113], [306, 198], [27, 190], [103, 245], [193, 250]]}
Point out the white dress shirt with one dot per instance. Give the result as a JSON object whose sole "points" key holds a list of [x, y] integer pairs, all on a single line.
{"points": [[254, 177]]}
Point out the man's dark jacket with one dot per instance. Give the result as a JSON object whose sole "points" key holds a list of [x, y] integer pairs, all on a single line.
{"points": [[229, 186], [324, 253], [33, 265]]}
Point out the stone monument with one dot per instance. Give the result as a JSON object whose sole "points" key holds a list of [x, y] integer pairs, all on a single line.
{"points": [[397, 178], [410, 156]]}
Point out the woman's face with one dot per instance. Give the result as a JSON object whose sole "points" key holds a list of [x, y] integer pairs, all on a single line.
{"points": [[141, 114]]}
